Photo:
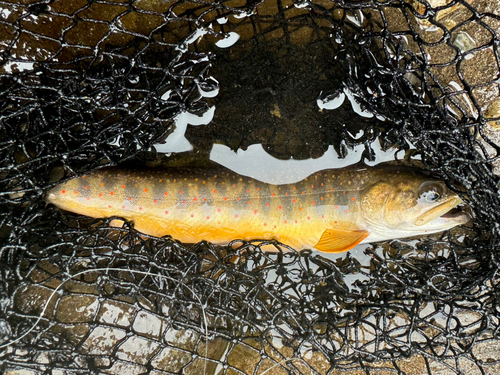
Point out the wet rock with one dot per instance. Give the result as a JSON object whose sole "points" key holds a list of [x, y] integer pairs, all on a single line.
{"points": [[120, 368], [77, 309], [102, 340], [137, 350], [172, 360], [34, 299], [183, 339], [148, 324], [475, 66], [116, 313]]}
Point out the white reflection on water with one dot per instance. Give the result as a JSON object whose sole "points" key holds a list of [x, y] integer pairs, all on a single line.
{"points": [[177, 142], [255, 162], [229, 40]]}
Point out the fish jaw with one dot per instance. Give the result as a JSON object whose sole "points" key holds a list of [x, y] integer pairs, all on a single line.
{"points": [[438, 211], [439, 218]]}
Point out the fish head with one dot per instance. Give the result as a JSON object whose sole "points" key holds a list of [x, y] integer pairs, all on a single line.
{"points": [[411, 204]]}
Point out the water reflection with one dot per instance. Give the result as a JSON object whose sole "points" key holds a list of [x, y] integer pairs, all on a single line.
{"points": [[255, 162]]}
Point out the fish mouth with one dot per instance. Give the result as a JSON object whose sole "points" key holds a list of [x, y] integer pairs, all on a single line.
{"points": [[447, 210]]}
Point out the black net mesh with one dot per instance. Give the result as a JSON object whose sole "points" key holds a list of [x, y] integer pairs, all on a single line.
{"points": [[84, 85]]}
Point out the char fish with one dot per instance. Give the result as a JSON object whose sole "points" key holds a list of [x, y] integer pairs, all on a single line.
{"points": [[331, 210]]}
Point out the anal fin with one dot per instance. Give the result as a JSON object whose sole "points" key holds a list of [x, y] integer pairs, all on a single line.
{"points": [[339, 240]]}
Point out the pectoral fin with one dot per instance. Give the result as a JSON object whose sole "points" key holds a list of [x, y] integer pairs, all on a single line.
{"points": [[339, 240]]}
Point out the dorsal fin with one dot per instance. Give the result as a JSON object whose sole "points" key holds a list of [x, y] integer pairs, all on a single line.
{"points": [[340, 239]]}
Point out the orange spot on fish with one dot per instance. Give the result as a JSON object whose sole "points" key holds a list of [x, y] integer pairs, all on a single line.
{"points": [[312, 186], [140, 208], [344, 191], [208, 217], [313, 202], [109, 206], [130, 198], [160, 180], [225, 198], [238, 199], [183, 202], [255, 212], [308, 218], [204, 182], [294, 188], [123, 207], [341, 183], [88, 198], [100, 194], [86, 187], [279, 208], [352, 199], [76, 192], [204, 199], [265, 224], [248, 202], [248, 190], [322, 216], [331, 189], [346, 211], [335, 221], [234, 185], [146, 190], [112, 192], [166, 212], [300, 208], [322, 184], [63, 191], [336, 207], [166, 193], [272, 195], [285, 221], [84, 176], [267, 204], [218, 210], [102, 183], [296, 221], [303, 192], [136, 185], [215, 191], [180, 192], [138, 177], [155, 201], [192, 215], [236, 216], [258, 189], [123, 186], [195, 199], [322, 198], [286, 194], [294, 201]]}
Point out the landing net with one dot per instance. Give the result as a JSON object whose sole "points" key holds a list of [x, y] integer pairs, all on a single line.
{"points": [[86, 84]]}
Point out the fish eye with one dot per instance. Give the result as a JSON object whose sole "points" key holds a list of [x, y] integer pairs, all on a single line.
{"points": [[431, 191], [431, 196]]}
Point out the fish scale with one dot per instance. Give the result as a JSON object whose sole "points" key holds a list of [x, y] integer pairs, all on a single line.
{"points": [[321, 211], [217, 205]]}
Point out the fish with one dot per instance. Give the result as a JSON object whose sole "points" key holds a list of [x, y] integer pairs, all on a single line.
{"points": [[330, 210]]}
